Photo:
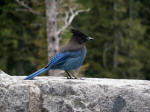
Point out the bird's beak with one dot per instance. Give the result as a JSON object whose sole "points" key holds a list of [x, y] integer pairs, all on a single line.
{"points": [[90, 38]]}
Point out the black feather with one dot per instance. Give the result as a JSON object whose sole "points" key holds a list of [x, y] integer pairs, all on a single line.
{"points": [[79, 36]]}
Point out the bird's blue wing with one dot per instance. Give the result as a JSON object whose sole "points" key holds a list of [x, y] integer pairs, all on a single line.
{"points": [[62, 57]]}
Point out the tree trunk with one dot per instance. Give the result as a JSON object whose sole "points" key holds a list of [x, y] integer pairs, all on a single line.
{"points": [[51, 28]]}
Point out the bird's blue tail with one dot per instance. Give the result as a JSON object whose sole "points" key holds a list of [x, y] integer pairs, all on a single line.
{"points": [[31, 76]]}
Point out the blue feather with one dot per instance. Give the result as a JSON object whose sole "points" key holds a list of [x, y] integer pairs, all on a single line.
{"points": [[62, 57], [31, 76]]}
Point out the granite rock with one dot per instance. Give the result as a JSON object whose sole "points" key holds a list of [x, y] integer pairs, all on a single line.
{"points": [[58, 94]]}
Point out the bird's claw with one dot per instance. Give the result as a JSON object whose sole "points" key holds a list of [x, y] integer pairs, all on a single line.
{"points": [[69, 78], [72, 78]]}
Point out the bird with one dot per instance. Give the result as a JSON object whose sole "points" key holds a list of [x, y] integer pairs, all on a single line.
{"points": [[69, 58]]}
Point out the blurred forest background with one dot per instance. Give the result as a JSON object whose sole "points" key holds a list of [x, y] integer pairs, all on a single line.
{"points": [[121, 29]]}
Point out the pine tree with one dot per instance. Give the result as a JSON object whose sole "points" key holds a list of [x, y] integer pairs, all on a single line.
{"points": [[118, 31]]}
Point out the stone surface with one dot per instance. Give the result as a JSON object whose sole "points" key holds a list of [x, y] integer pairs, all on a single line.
{"points": [[58, 94]]}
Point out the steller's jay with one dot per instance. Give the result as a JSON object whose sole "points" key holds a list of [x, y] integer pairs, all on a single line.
{"points": [[70, 57]]}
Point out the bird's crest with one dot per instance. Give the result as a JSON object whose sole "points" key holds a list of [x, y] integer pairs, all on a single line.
{"points": [[78, 33]]}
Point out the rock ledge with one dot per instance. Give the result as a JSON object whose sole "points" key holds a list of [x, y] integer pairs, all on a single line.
{"points": [[58, 94]]}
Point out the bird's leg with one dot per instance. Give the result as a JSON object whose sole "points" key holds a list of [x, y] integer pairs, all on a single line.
{"points": [[68, 75], [73, 75]]}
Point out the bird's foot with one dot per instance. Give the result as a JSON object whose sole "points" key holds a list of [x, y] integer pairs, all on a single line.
{"points": [[72, 78], [69, 77]]}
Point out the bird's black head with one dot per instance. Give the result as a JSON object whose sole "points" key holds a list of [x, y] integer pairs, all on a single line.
{"points": [[79, 36]]}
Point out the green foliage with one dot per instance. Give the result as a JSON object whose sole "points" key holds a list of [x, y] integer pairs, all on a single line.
{"points": [[23, 44], [117, 51], [120, 28]]}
